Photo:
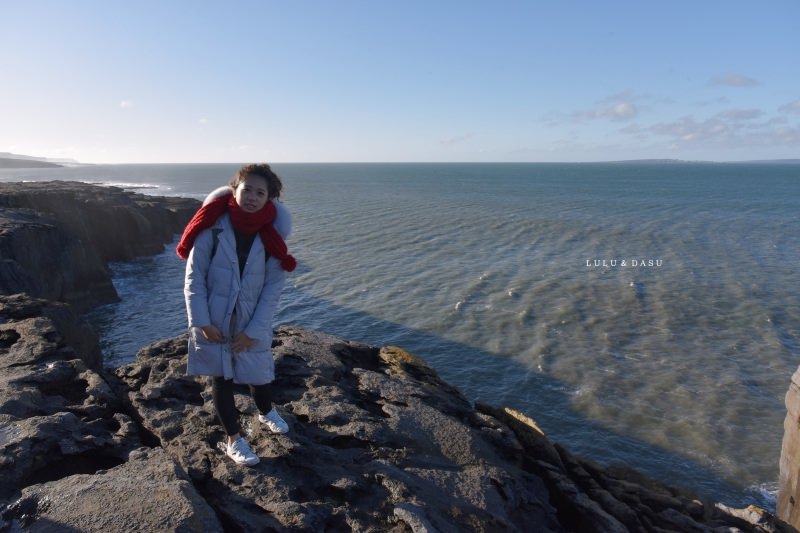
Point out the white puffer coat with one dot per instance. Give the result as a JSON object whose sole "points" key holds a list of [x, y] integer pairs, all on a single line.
{"points": [[215, 293]]}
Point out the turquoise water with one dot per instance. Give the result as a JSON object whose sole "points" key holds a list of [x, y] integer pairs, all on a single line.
{"points": [[645, 314]]}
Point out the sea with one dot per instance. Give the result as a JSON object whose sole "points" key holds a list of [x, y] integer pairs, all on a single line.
{"points": [[644, 314]]}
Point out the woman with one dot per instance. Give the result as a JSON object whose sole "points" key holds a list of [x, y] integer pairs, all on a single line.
{"points": [[236, 269]]}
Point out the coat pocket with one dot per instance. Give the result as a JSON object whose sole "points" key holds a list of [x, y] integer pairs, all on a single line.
{"points": [[205, 358]]}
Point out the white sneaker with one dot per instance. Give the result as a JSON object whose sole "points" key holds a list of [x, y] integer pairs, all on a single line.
{"points": [[274, 422], [241, 453]]}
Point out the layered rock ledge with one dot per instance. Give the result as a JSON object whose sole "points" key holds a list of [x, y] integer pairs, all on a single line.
{"points": [[378, 442], [57, 237]]}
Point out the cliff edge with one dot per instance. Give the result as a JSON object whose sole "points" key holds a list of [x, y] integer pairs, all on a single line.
{"points": [[57, 237]]}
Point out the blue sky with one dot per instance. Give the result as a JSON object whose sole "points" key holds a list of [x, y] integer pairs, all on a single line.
{"points": [[329, 81]]}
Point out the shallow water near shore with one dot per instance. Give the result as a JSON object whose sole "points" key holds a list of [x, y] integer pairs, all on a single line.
{"points": [[643, 314]]}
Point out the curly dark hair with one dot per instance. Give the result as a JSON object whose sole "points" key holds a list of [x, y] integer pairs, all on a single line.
{"points": [[274, 183]]}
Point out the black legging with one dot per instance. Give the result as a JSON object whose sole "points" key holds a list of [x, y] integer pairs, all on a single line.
{"points": [[225, 405]]}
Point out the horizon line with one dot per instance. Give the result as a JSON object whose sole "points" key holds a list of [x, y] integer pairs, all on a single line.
{"points": [[642, 160]]}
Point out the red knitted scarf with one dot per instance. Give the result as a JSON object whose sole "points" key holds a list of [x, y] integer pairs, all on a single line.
{"points": [[260, 221]]}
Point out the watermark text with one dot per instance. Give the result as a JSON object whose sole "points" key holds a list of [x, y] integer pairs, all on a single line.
{"points": [[624, 263]]}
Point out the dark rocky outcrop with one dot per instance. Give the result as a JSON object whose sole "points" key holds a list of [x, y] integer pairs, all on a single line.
{"points": [[378, 442], [56, 238]]}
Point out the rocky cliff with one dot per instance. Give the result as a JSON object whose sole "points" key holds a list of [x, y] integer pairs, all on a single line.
{"points": [[56, 238], [378, 442], [789, 492]]}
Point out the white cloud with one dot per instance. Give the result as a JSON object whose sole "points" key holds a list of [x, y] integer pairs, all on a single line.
{"points": [[126, 103], [733, 80], [203, 121], [733, 128], [791, 107], [618, 107]]}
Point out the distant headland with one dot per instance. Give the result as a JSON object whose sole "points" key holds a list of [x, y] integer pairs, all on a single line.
{"points": [[9, 160]]}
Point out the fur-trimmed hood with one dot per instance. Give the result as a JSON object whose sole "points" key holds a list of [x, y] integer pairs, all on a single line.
{"points": [[283, 219]]}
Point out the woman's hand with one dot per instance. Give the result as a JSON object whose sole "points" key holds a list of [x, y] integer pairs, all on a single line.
{"points": [[242, 343], [212, 334]]}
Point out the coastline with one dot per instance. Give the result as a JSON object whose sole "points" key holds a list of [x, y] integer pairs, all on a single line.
{"points": [[387, 390]]}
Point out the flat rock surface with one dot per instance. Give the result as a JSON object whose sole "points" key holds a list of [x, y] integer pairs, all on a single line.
{"points": [[147, 493]]}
